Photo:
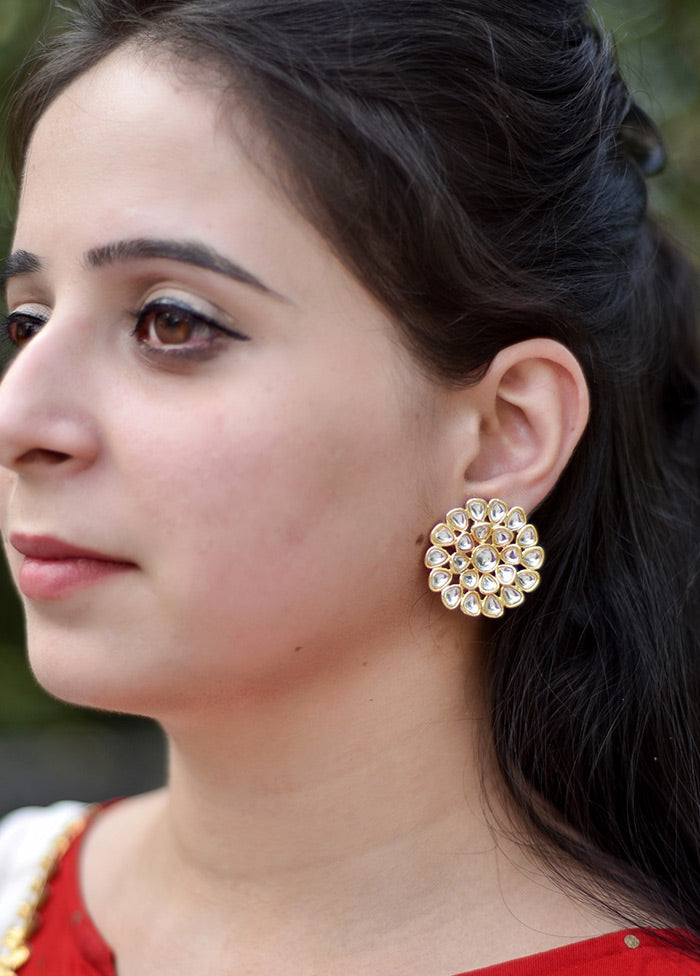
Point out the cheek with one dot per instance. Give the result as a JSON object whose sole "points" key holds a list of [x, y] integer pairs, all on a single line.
{"points": [[273, 458], [216, 476], [7, 483], [285, 502]]}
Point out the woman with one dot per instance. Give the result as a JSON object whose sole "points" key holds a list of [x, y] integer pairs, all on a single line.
{"points": [[292, 280]]}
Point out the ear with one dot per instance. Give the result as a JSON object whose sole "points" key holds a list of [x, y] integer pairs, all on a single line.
{"points": [[533, 407]]}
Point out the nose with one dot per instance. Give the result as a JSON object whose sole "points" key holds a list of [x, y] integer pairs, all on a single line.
{"points": [[46, 421]]}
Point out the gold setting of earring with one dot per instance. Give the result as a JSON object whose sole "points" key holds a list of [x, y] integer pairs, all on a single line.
{"points": [[484, 558]]}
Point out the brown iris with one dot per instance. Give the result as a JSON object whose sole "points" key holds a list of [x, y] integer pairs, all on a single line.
{"points": [[171, 327], [20, 329]]}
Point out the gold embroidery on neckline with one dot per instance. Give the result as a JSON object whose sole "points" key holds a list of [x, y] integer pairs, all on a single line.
{"points": [[15, 950]]}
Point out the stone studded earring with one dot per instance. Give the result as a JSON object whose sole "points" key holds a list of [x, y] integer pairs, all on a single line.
{"points": [[484, 558]]}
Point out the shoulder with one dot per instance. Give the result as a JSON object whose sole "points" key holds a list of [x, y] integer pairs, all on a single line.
{"points": [[25, 837], [627, 952]]}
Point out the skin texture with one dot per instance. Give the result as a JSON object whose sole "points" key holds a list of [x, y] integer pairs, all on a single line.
{"points": [[230, 483], [271, 496]]}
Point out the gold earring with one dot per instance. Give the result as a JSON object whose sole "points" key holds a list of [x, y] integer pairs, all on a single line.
{"points": [[484, 557]]}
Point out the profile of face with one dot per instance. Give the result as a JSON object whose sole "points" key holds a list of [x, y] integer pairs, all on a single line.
{"points": [[205, 399]]}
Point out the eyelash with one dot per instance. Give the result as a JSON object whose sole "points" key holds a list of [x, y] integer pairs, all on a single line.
{"points": [[177, 314], [174, 313], [14, 322]]}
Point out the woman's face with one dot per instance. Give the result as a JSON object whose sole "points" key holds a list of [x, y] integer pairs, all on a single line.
{"points": [[206, 399]]}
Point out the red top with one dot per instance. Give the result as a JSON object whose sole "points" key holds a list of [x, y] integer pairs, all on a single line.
{"points": [[68, 944]]}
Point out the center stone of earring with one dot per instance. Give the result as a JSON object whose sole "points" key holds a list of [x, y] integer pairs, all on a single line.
{"points": [[485, 559]]}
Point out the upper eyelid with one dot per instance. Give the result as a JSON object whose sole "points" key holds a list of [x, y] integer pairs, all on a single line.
{"points": [[28, 305], [210, 321], [30, 313], [186, 297], [21, 285], [186, 306], [23, 300]]}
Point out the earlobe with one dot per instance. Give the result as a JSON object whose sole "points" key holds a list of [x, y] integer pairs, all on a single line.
{"points": [[533, 409]]}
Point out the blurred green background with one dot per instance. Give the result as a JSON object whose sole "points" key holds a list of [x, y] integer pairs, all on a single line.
{"points": [[48, 749]]}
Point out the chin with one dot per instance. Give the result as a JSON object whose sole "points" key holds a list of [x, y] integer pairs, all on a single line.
{"points": [[79, 690], [75, 670]]}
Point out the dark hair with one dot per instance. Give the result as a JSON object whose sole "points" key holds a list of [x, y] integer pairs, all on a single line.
{"points": [[480, 166]]}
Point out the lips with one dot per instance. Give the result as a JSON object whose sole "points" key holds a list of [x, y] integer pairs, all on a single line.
{"points": [[53, 569], [46, 547]]}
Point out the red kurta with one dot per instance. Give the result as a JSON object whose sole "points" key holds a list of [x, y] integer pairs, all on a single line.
{"points": [[68, 944]]}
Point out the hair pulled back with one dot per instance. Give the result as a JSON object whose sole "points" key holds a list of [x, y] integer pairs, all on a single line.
{"points": [[480, 166]]}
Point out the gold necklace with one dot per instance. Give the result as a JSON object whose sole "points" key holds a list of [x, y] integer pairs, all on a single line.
{"points": [[15, 950]]}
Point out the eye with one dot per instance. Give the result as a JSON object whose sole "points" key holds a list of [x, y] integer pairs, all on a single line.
{"points": [[168, 325], [19, 327]]}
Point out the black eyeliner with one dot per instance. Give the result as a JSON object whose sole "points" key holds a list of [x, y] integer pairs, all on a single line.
{"points": [[196, 318]]}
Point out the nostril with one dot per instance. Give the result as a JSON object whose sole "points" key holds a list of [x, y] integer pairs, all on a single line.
{"points": [[41, 455]]}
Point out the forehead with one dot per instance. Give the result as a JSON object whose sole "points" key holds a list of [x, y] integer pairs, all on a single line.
{"points": [[128, 102], [136, 148]]}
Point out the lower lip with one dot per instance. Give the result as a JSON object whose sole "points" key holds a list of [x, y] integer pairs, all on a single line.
{"points": [[52, 579]]}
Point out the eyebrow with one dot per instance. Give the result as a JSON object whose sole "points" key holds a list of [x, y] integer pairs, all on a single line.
{"points": [[186, 252], [15, 264]]}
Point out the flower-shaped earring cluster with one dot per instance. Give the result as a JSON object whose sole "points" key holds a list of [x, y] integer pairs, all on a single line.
{"points": [[484, 557]]}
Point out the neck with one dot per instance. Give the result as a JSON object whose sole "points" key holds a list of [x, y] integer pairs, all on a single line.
{"points": [[345, 817], [345, 765]]}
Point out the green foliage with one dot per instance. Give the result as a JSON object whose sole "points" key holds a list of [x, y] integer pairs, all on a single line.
{"points": [[659, 44]]}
